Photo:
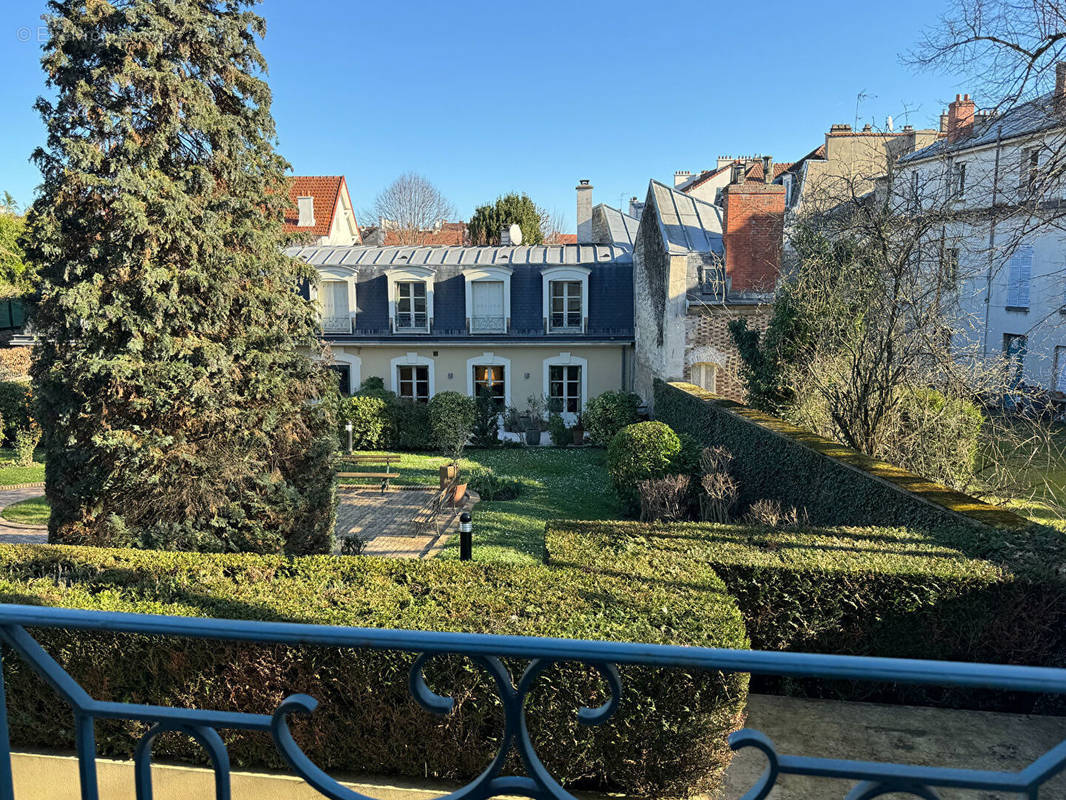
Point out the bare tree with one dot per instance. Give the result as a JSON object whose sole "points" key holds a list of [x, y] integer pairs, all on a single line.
{"points": [[411, 208], [551, 225]]}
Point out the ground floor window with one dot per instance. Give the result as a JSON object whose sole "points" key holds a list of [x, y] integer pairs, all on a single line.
{"points": [[491, 379], [564, 386], [705, 376], [413, 383], [344, 378]]}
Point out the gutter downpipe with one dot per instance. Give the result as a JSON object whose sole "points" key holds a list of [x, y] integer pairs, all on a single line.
{"points": [[991, 244]]}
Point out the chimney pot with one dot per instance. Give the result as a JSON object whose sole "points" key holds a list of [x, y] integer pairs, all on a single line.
{"points": [[960, 118], [584, 211], [767, 169]]}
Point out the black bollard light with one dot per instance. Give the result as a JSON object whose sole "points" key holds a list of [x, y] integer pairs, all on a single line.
{"points": [[466, 544], [348, 427]]}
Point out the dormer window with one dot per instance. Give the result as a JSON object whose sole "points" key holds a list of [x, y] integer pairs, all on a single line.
{"points": [[488, 299], [566, 292], [411, 306], [411, 299], [336, 299], [306, 208]]}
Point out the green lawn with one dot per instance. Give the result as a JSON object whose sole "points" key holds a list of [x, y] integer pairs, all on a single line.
{"points": [[34, 511], [1049, 501], [556, 484], [11, 475]]}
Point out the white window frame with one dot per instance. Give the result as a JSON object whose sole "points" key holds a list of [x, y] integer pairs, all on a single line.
{"points": [[698, 373], [340, 274], [567, 360], [489, 360], [355, 368], [410, 274], [552, 274], [411, 360], [489, 275]]}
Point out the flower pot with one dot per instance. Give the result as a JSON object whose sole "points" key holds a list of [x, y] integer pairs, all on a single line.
{"points": [[460, 493], [579, 435], [448, 473], [533, 436]]}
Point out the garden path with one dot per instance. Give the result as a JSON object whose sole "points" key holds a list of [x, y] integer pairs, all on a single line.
{"points": [[386, 521], [17, 533]]}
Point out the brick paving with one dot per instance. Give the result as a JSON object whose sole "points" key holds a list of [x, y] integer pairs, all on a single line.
{"points": [[386, 522]]}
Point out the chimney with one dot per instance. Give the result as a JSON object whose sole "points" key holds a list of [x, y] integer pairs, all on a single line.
{"points": [[737, 173], [960, 118], [1060, 80], [584, 212], [306, 208], [767, 169], [681, 176], [752, 235]]}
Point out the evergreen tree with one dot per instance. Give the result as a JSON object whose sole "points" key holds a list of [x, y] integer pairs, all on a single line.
{"points": [[174, 368], [488, 220]]}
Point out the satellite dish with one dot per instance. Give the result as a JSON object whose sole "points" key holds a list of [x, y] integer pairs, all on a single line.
{"points": [[515, 232]]}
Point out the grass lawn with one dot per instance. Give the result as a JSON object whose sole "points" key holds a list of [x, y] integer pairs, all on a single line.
{"points": [[34, 511], [556, 484], [1050, 498], [11, 475]]}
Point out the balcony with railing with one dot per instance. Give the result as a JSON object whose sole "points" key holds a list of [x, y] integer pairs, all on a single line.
{"points": [[335, 325], [515, 667], [497, 324]]}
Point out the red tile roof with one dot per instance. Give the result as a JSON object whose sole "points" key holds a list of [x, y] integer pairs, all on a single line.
{"points": [[562, 238], [753, 174], [326, 191], [450, 233]]}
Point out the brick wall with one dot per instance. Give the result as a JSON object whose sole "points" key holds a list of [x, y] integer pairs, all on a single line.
{"points": [[754, 227], [707, 339]]}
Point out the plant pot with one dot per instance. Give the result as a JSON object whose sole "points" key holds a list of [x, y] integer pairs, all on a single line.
{"points": [[579, 435], [533, 436], [460, 493], [448, 473]]}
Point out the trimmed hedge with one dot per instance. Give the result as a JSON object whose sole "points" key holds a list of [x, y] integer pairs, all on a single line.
{"points": [[367, 722], [832, 483], [858, 591]]}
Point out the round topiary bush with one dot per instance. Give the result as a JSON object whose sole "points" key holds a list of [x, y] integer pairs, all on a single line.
{"points": [[369, 417], [638, 452], [607, 414]]}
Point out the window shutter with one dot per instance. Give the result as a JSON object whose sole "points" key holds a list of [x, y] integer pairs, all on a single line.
{"points": [[1019, 273]]}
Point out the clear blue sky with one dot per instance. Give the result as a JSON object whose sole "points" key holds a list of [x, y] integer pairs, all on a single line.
{"points": [[487, 97]]}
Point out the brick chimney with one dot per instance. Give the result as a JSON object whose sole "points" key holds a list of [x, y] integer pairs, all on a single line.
{"points": [[1060, 81], [584, 211], [767, 169], [752, 235], [960, 118]]}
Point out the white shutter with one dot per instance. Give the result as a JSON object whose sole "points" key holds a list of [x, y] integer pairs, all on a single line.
{"points": [[340, 299], [1019, 272], [487, 300], [328, 299]]}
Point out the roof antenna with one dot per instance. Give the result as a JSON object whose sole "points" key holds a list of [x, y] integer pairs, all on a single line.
{"points": [[858, 99]]}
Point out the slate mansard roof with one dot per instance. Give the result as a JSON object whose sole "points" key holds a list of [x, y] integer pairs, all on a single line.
{"points": [[688, 224], [610, 300]]}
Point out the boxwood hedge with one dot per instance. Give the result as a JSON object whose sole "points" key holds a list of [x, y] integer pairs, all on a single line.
{"points": [[857, 591], [832, 483], [666, 739]]}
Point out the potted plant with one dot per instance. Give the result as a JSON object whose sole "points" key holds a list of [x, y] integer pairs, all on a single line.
{"points": [[578, 430], [536, 419]]}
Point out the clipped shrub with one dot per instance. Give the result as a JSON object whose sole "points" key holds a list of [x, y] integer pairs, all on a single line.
{"points": [[638, 452], [26, 441], [487, 420], [451, 421], [367, 720], [409, 426], [491, 486], [369, 416], [352, 545], [833, 484], [889, 592], [14, 362], [607, 414], [16, 407]]}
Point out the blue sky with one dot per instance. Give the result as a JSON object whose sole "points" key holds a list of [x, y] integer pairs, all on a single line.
{"points": [[488, 97]]}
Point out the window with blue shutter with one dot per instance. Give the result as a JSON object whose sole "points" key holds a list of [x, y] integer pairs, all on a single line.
{"points": [[1019, 273]]}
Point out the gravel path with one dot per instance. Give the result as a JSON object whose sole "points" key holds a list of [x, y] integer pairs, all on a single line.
{"points": [[15, 533]]}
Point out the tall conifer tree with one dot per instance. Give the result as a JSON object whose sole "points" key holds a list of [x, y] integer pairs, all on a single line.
{"points": [[174, 369]]}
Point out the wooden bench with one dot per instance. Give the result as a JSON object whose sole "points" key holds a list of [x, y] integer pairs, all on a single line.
{"points": [[430, 510], [384, 476]]}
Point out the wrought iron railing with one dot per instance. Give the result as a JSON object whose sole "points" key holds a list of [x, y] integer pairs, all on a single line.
{"points": [[487, 324], [336, 324], [867, 779]]}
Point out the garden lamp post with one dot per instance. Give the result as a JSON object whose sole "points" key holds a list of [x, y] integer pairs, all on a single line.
{"points": [[465, 537], [348, 427]]}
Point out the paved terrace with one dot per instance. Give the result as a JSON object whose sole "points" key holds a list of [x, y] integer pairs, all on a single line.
{"points": [[386, 522]]}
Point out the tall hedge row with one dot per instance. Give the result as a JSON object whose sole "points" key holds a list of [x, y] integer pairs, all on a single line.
{"points": [[887, 592], [367, 722], [832, 483]]}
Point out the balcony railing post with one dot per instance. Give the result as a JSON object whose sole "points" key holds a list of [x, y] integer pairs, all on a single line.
{"points": [[85, 745], [7, 788]]}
